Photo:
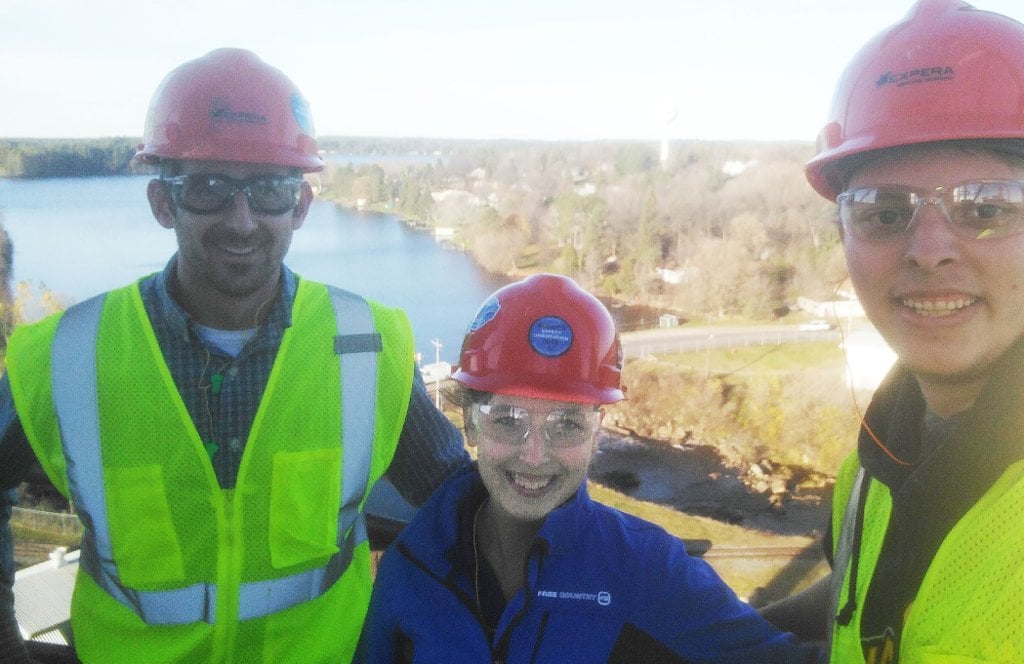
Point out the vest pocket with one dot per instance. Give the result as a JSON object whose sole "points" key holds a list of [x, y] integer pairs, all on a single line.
{"points": [[142, 534], [305, 498]]}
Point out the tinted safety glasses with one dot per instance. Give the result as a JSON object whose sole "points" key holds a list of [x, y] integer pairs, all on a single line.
{"points": [[975, 210], [210, 194]]}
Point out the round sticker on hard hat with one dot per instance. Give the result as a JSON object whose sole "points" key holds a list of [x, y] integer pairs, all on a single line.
{"points": [[550, 336], [488, 310], [300, 109]]}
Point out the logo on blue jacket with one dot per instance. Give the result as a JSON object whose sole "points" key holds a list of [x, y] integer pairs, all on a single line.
{"points": [[601, 598]]}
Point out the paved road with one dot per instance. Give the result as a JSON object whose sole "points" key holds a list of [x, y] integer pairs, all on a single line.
{"points": [[686, 338]]}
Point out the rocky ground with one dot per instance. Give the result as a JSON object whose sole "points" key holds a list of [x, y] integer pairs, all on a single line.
{"points": [[699, 480]]}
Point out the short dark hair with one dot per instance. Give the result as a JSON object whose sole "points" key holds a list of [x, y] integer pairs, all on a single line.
{"points": [[464, 397], [169, 168], [1009, 150]]}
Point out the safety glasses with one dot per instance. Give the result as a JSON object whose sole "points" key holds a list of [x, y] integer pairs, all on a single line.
{"points": [[209, 194], [975, 210], [511, 425]]}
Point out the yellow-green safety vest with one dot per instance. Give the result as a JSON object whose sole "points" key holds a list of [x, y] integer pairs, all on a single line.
{"points": [[970, 606], [174, 568]]}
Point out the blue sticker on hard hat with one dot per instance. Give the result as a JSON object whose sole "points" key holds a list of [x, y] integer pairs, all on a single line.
{"points": [[488, 310], [550, 336], [300, 109]]}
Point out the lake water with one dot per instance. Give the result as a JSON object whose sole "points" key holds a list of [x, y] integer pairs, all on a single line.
{"points": [[82, 236]]}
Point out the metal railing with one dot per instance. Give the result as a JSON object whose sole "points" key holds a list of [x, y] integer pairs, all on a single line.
{"points": [[50, 522]]}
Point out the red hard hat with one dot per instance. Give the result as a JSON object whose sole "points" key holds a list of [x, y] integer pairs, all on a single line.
{"points": [[947, 72], [230, 106], [546, 338]]}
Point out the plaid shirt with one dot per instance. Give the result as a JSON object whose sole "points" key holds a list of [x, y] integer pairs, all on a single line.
{"points": [[429, 448]]}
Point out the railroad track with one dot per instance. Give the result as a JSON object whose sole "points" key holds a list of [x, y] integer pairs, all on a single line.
{"points": [[762, 552]]}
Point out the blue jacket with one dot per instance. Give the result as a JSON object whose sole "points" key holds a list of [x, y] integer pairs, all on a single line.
{"points": [[601, 586]]}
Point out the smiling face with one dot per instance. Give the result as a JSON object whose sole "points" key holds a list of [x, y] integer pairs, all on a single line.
{"points": [[529, 478], [234, 254], [949, 306]]}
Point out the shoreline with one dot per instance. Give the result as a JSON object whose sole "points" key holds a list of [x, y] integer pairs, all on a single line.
{"points": [[615, 305]]}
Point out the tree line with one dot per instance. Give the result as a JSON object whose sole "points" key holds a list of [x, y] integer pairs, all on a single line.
{"points": [[42, 158], [715, 230]]}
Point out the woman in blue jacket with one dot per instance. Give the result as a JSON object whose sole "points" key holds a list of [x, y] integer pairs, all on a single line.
{"points": [[511, 561]]}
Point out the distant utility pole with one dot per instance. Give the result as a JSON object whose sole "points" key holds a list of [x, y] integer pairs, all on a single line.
{"points": [[437, 374]]}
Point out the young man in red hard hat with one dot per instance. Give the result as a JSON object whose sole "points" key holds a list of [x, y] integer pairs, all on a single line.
{"points": [[924, 153], [218, 425], [511, 561]]}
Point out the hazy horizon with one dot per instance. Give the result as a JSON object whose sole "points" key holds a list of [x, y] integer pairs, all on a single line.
{"points": [[530, 70]]}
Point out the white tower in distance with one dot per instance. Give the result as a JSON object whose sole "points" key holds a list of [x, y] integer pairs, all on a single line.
{"points": [[670, 117]]}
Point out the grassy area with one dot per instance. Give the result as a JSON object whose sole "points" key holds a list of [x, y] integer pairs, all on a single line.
{"points": [[26, 534], [789, 403], [687, 526], [825, 357]]}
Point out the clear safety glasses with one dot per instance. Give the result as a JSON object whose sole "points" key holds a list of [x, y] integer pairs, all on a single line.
{"points": [[510, 425], [209, 194], [975, 210]]}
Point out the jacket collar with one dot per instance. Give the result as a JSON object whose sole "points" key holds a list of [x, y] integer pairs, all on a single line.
{"points": [[440, 533], [983, 442]]}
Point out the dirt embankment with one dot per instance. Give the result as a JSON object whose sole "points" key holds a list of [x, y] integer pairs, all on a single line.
{"points": [[699, 480]]}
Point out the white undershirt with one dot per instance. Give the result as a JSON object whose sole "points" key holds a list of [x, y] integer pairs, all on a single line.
{"points": [[228, 342]]}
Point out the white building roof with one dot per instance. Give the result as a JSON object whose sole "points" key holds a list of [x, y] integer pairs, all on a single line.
{"points": [[42, 597]]}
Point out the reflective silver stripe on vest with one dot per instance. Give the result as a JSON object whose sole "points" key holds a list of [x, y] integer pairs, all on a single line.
{"points": [[76, 402], [844, 552], [358, 368]]}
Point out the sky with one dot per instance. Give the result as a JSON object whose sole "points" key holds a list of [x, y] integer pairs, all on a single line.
{"points": [[486, 69]]}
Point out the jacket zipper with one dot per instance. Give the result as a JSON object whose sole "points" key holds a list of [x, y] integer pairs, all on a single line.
{"points": [[500, 654]]}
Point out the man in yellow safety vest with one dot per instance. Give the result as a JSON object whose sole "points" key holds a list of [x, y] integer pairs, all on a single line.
{"points": [[218, 425], [924, 154]]}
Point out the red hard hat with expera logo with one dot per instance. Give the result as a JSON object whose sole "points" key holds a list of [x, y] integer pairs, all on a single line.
{"points": [[947, 72], [229, 105], [545, 338]]}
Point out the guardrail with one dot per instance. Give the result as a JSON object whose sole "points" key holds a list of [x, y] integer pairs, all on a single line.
{"points": [[640, 346], [50, 522]]}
